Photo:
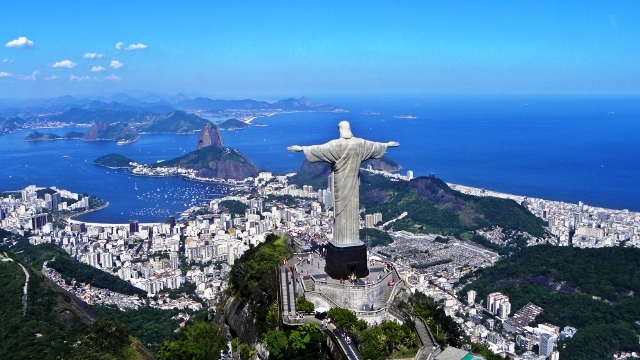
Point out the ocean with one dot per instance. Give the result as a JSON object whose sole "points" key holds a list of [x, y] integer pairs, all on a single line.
{"points": [[558, 148]]}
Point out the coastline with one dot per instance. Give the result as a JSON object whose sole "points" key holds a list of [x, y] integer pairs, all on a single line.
{"points": [[71, 220], [470, 190]]}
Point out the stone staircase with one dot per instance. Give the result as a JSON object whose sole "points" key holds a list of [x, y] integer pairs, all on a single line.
{"points": [[309, 285], [288, 296], [425, 339], [386, 296], [389, 290]]}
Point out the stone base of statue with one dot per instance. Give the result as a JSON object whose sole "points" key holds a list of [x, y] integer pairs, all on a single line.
{"points": [[344, 260]]}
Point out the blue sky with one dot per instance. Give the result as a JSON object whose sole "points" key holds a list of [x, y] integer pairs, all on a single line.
{"points": [[274, 49]]}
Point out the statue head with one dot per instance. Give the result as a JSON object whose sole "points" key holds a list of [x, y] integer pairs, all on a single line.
{"points": [[345, 129]]}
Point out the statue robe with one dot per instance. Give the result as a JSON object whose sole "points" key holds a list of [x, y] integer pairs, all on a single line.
{"points": [[345, 156]]}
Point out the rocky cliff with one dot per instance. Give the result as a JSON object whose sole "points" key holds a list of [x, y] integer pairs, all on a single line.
{"points": [[235, 318], [209, 136]]}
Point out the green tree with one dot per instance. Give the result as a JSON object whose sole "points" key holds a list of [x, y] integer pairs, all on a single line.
{"points": [[234, 207], [245, 351], [272, 319], [277, 344], [305, 341], [253, 277], [304, 305], [198, 341], [346, 319]]}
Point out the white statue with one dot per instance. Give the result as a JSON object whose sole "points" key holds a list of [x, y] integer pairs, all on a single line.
{"points": [[345, 156]]}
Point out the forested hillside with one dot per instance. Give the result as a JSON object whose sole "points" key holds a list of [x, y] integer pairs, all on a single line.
{"points": [[433, 207], [593, 290], [54, 321]]}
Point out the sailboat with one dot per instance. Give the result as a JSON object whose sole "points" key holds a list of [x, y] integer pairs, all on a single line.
{"points": [[135, 185]]}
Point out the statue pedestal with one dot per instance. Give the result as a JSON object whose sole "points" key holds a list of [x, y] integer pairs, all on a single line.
{"points": [[343, 260]]}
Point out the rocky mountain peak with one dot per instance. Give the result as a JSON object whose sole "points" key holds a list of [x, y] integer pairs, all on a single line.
{"points": [[209, 136]]}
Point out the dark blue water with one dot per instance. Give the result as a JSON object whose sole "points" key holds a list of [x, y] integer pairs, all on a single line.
{"points": [[558, 148], [44, 164]]}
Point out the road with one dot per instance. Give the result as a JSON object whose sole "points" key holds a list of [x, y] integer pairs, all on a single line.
{"points": [[24, 296]]}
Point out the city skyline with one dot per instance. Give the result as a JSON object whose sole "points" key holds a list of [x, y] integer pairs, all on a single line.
{"points": [[273, 50]]}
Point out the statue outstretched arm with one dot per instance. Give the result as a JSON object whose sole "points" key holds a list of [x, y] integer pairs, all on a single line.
{"points": [[393, 144], [295, 148]]}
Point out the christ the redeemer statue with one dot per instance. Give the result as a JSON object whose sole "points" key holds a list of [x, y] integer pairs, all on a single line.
{"points": [[346, 254]]}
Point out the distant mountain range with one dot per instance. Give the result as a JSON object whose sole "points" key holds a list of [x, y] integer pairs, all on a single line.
{"points": [[122, 125], [302, 104], [155, 104], [65, 110]]}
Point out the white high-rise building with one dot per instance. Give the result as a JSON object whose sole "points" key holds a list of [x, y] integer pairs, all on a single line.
{"points": [[409, 174], [504, 310], [494, 300], [471, 297], [174, 260], [546, 344], [377, 217], [106, 260]]}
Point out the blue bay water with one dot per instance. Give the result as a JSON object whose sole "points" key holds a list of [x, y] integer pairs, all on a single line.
{"points": [[558, 148]]}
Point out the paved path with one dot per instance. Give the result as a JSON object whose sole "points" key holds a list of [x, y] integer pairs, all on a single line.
{"points": [[24, 296]]}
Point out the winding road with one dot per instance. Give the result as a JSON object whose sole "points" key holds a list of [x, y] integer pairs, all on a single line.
{"points": [[24, 296]]}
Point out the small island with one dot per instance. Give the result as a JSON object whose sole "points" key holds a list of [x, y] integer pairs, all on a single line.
{"points": [[369, 112], [232, 124], [115, 161], [405, 116], [38, 136]]}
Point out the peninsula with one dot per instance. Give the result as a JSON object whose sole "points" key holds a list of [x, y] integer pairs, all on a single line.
{"points": [[210, 161]]}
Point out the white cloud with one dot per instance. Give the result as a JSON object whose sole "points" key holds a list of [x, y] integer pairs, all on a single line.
{"points": [[92, 56], [7, 61], [116, 64], [113, 78], [31, 77], [52, 77], [64, 64], [97, 68], [5, 74], [137, 46], [79, 78], [20, 43], [119, 45]]}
